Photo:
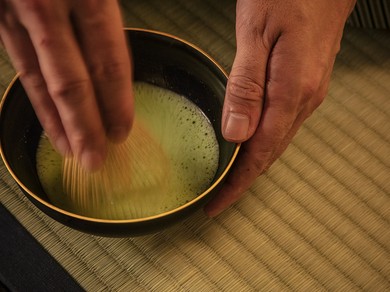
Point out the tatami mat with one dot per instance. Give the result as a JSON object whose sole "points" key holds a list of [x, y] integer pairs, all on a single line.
{"points": [[318, 220]]}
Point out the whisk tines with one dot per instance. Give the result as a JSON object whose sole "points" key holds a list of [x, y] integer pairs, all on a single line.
{"points": [[134, 171]]}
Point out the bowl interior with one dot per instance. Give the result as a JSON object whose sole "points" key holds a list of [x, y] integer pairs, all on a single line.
{"points": [[159, 60]]}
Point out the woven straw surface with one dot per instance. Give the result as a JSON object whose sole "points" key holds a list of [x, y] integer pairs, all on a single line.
{"points": [[318, 220]]}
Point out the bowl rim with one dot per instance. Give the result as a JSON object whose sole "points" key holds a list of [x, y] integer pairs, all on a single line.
{"points": [[122, 221]]}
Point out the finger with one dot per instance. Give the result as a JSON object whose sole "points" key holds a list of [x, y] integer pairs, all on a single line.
{"points": [[305, 113], [245, 87], [280, 122], [100, 31], [66, 76], [24, 59], [238, 181], [280, 109], [254, 157]]}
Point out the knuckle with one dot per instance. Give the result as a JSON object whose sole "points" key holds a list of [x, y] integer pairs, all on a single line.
{"points": [[34, 5], [8, 19], [258, 154], [260, 161], [46, 40], [94, 6], [318, 100], [293, 97], [244, 90], [313, 92], [281, 99], [310, 88], [38, 8], [43, 13], [31, 77], [71, 91], [108, 71], [258, 165]]}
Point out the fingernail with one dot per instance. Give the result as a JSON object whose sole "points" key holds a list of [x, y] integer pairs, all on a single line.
{"points": [[118, 134], [210, 212], [62, 145], [236, 127], [91, 160]]}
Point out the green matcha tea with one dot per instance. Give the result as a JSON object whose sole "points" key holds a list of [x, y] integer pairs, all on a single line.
{"points": [[184, 134]]}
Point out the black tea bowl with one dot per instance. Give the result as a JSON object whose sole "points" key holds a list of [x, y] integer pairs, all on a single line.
{"points": [[159, 59]]}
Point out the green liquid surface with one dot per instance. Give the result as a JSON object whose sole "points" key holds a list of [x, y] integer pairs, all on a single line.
{"points": [[187, 139]]}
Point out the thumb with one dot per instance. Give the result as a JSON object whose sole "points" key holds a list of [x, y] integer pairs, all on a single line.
{"points": [[245, 87]]}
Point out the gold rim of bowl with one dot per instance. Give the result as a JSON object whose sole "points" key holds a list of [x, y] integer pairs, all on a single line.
{"points": [[123, 221]]}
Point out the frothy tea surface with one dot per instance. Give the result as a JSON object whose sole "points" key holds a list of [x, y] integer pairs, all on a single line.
{"points": [[187, 139]]}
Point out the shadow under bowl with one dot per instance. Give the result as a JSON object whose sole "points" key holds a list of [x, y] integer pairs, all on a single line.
{"points": [[159, 59]]}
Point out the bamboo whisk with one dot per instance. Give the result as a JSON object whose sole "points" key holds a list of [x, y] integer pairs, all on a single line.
{"points": [[132, 181]]}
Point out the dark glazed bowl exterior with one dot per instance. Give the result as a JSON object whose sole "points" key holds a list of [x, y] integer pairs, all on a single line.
{"points": [[159, 59]]}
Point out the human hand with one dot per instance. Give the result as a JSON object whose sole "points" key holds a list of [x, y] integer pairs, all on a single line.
{"points": [[74, 64], [285, 55]]}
